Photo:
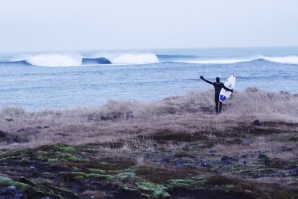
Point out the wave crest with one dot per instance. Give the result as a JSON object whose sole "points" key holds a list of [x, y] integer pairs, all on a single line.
{"points": [[284, 60], [54, 59], [76, 59]]}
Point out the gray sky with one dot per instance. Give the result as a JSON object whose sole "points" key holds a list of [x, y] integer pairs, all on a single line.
{"points": [[45, 25]]}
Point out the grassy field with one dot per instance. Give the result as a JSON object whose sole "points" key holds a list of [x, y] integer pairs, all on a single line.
{"points": [[175, 148]]}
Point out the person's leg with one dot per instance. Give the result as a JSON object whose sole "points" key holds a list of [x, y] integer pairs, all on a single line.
{"points": [[216, 104], [220, 105]]}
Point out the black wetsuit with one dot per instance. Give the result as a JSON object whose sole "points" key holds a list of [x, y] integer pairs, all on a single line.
{"points": [[217, 87]]}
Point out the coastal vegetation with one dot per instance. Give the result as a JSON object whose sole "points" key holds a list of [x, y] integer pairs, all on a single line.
{"points": [[174, 148]]}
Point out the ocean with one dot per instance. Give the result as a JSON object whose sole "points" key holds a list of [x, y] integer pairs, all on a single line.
{"points": [[46, 80]]}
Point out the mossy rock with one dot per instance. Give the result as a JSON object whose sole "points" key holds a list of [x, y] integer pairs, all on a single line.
{"points": [[5, 181], [187, 182], [22, 153], [99, 176], [96, 170], [155, 190]]}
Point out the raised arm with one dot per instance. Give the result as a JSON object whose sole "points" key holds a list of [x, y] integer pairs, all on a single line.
{"points": [[231, 90], [206, 80]]}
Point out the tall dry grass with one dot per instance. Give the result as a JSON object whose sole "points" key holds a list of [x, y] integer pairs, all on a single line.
{"points": [[116, 120]]}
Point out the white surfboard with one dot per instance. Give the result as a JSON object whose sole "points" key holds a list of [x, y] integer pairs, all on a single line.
{"points": [[229, 83]]}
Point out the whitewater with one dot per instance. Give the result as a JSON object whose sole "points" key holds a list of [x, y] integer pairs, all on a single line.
{"points": [[45, 80]]}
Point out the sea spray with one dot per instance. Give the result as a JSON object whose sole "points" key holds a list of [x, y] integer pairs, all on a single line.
{"points": [[55, 60]]}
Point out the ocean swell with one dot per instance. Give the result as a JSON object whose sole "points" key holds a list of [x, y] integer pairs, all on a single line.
{"points": [[282, 60], [135, 59]]}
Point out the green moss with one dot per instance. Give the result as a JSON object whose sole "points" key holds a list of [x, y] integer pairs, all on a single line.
{"points": [[64, 148], [188, 182], [230, 185], [80, 178], [21, 186], [126, 176], [70, 157], [157, 190], [4, 181], [75, 168], [96, 170], [125, 187], [53, 160], [22, 153], [99, 176], [80, 174]]}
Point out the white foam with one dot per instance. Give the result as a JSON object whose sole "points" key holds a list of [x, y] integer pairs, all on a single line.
{"points": [[285, 60], [55, 59], [135, 59]]}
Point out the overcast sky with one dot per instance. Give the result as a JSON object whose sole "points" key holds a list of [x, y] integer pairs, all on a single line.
{"points": [[46, 25]]}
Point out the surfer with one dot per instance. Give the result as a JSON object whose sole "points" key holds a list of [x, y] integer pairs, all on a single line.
{"points": [[217, 87]]}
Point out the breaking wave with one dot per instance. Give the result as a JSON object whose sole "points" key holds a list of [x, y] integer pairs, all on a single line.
{"points": [[76, 59]]}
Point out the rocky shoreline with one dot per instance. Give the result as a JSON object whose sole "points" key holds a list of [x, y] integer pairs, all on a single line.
{"points": [[217, 164]]}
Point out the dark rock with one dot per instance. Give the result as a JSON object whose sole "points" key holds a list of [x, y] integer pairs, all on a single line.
{"points": [[281, 175], [227, 158], [294, 172], [246, 142], [11, 192], [16, 140], [265, 159], [167, 160], [242, 162], [257, 123], [2, 134], [9, 120], [62, 134], [150, 155], [257, 175], [212, 151], [181, 163], [263, 156], [240, 126], [283, 148], [244, 156], [205, 164], [199, 162], [229, 161], [216, 162], [20, 130]]}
